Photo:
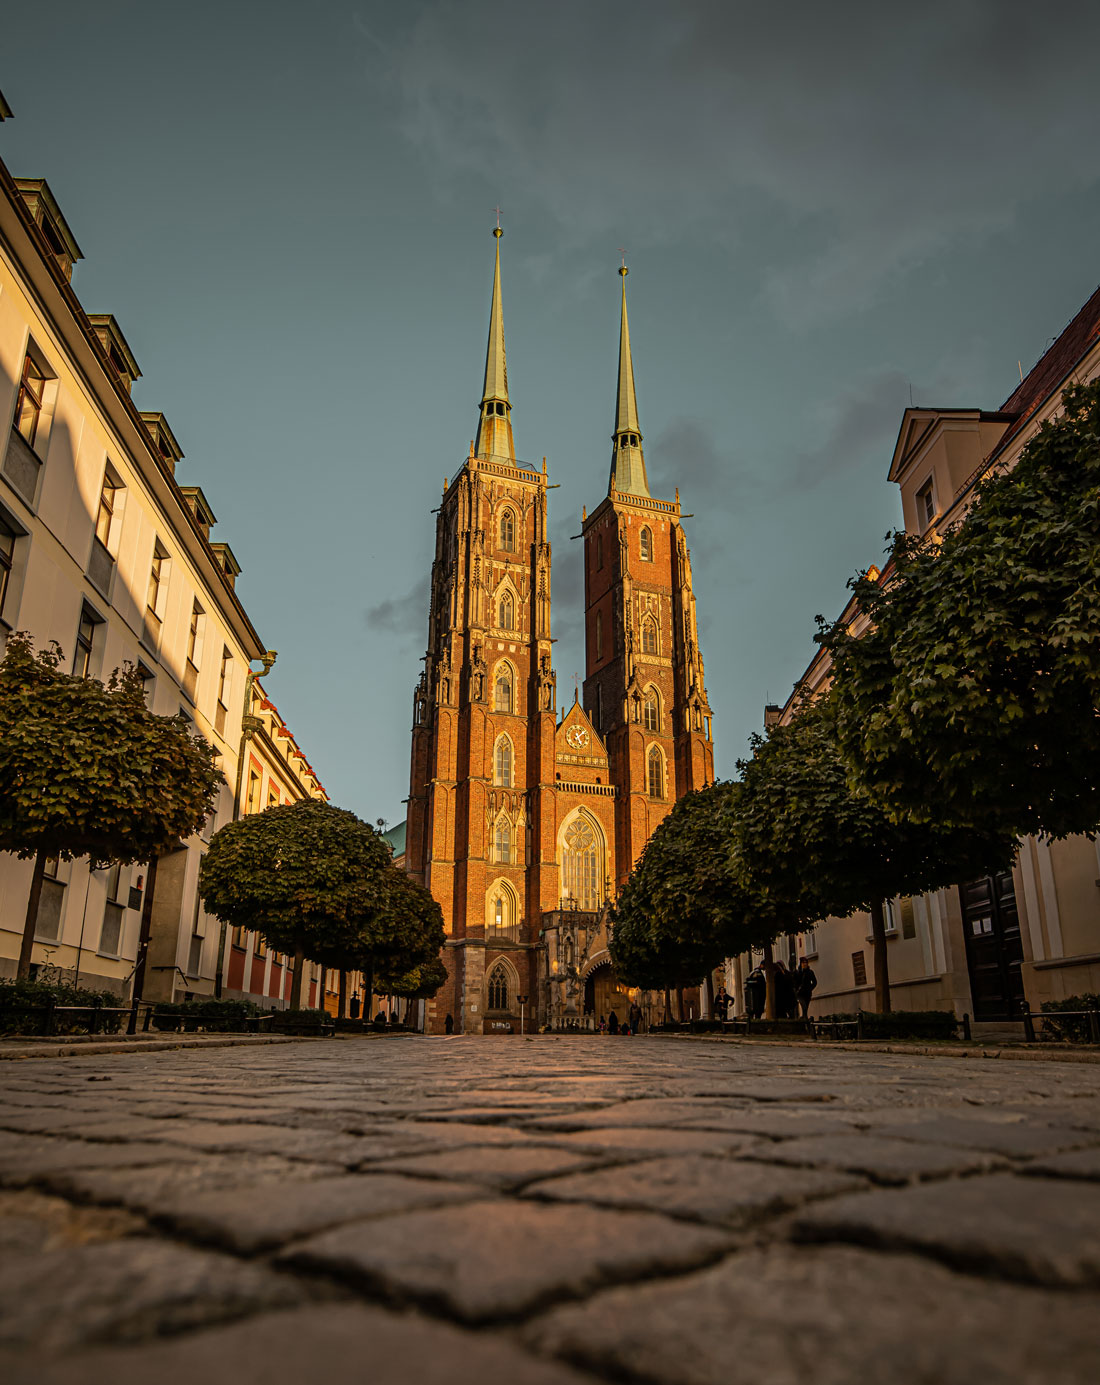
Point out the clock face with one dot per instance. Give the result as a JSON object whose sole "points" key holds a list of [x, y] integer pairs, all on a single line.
{"points": [[577, 737]]}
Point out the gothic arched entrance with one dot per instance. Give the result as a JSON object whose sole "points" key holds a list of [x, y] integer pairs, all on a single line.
{"points": [[604, 992]]}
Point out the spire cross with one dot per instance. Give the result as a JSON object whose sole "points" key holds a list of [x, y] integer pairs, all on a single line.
{"points": [[622, 252], [497, 210]]}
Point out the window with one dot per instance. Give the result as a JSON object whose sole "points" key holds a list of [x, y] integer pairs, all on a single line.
{"points": [[253, 799], [85, 642], [502, 841], [502, 701], [508, 531], [645, 544], [497, 990], [222, 710], [156, 580], [105, 517], [51, 903], [649, 636], [110, 935], [502, 770], [651, 711], [502, 911], [926, 505], [8, 537], [507, 612], [194, 635], [908, 921], [809, 942], [859, 968], [656, 773], [599, 634], [582, 868], [194, 955], [28, 405]]}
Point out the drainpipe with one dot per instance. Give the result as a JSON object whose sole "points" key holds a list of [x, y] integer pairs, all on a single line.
{"points": [[249, 726]]}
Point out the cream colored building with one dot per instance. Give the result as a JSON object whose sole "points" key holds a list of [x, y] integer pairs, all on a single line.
{"points": [[105, 551], [982, 947]]}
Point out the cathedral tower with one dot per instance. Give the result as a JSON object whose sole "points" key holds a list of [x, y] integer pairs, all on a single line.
{"points": [[481, 810], [644, 686]]}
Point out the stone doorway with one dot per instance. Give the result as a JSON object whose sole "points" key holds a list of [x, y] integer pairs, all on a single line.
{"points": [[604, 992]]}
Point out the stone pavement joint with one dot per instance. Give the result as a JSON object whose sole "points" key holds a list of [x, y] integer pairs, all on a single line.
{"points": [[547, 1212]]}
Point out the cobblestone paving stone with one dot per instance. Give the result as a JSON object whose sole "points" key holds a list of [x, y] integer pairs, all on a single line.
{"points": [[550, 1210]]}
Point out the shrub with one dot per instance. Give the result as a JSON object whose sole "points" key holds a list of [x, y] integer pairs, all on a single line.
{"points": [[901, 1024], [218, 1016], [1076, 1030], [23, 1008]]}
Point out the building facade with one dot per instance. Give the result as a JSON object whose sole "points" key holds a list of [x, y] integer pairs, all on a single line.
{"points": [[105, 551], [986, 946], [520, 821]]}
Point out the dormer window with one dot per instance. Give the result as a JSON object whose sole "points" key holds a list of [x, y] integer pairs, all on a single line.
{"points": [[47, 215], [926, 505], [493, 407], [114, 344]]}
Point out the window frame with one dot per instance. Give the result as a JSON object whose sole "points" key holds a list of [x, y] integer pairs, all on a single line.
{"points": [[645, 544], [504, 759], [650, 628], [655, 766], [38, 403], [90, 616], [506, 536], [651, 702], [504, 677]]}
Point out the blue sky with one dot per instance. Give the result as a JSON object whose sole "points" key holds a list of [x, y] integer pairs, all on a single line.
{"points": [[825, 210]]}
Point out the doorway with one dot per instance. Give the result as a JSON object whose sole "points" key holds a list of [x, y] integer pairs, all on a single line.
{"points": [[994, 949], [603, 992]]}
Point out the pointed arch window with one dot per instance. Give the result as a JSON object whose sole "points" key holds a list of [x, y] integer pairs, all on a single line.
{"points": [[508, 531], [502, 691], [649, 636], [582, 864], [645, 544], [655, 773], [502, 841], [599, 634], [496, 991], [651, 710], [507, 612], [502, 769]]}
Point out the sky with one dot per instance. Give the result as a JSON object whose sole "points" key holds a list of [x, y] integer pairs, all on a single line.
{"points": [[828, 212]]}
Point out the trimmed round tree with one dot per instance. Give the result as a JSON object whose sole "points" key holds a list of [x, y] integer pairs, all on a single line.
{"points": [[973, 699], [402, 940], [307, 877], [812, 846], [685, 905], [87, 770]]}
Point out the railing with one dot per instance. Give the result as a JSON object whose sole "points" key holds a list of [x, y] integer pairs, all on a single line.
{"points": [[1052, 1020], [51, 1015]]}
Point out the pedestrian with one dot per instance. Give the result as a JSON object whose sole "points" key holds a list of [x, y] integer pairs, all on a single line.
{"points": [[612, 1022], [634, 1016], [354, 1006], [805, 983], [603, 1025], [449, 1025], [785, 1003], [722, 1002], [756, 992]]}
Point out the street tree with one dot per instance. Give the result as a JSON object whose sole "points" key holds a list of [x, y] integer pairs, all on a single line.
{"points": [[86, 769], [307, 877], [973, 698], [686, 905], [402, 940], [811, 845]]}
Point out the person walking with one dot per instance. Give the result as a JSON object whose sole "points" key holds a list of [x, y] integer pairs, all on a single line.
{"points": [[612, 1022], [722, 1003], [756, 992], [805, 983], [634, 1018]]}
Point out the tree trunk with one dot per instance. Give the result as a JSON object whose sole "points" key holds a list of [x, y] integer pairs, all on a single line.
{"points": [[342, 1002], [31, 921], [882, 965], [707, 998], [769, 974], [299, 976], [668, 1006], [146, 929], [739, 985], [367, 1011], [680, 1004], [321, 988]]}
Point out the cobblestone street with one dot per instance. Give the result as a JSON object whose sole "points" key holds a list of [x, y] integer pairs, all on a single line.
{"points": [[547, 1210]]}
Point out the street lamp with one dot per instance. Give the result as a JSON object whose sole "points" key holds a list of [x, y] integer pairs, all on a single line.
{"points": [[522, 999]]}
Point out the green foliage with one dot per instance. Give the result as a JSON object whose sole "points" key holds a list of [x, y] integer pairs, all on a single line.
{"points": [[902, 1024], [972, 700], [22, 1008], [305, 876], [87, 769], [220, 1016], [403, 935], [814, 847], [685, 906], [419, 983], [1075, 1029]]}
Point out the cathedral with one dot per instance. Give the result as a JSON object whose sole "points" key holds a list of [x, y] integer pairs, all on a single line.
{"points": [[521, 822]]}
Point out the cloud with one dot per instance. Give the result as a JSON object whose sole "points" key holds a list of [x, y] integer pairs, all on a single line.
{"points": [[853, 141], [405, 616]]}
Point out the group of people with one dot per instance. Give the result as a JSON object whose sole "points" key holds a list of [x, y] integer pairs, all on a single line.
{"points": [[794, 989], [613, 1025]]}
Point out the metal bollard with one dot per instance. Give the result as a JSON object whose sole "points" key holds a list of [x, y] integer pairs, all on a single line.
{"points": [[966, 1026], [1094, 1027]]}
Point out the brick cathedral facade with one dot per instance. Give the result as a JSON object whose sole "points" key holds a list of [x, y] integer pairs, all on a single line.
{"points": [[520, 823]]}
